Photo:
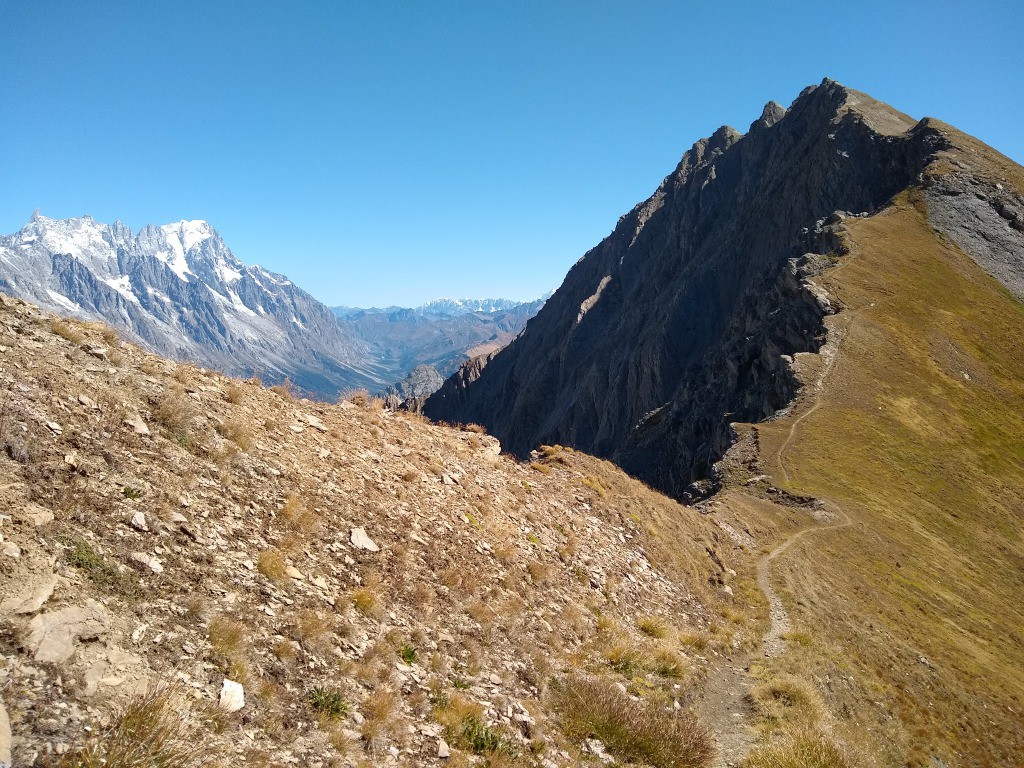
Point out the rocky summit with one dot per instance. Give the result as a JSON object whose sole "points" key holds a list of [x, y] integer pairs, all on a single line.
{"points": [[687, 317]]}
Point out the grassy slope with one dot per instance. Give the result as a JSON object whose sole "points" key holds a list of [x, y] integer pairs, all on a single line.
{"points": [[930, 464]]}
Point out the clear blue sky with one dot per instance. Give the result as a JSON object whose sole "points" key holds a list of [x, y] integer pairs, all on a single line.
{"points": [[391, 152]]}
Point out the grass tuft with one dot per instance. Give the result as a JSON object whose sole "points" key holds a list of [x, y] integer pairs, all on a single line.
{"points": [[327, 702], [156, 730], [634, 731], [804, 750]]}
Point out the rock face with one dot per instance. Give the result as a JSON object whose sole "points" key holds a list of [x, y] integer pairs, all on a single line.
{"points": [[178, 290], [685, 318], [422, 381]]}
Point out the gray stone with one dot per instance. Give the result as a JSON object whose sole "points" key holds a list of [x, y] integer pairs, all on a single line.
{"points": [[142, 560], [137, 424], [443, 750], [5, 736], [138, 522], [32, 593], [53, 635], [361, 540], [232, 696]]}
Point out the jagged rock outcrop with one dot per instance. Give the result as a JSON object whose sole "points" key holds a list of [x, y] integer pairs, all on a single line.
{"points": [[423, 380], [180, 291], [685, 317]]}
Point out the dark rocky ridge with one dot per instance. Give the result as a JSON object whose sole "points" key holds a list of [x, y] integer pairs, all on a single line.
{"points": [[680, 321]]}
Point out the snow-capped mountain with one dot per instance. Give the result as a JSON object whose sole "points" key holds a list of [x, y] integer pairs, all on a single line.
{"points": [[452, 307], [180, 291]]}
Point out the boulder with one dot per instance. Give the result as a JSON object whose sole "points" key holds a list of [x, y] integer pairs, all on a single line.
{"points": [[232, 696], [361, 540], [53, 635]]}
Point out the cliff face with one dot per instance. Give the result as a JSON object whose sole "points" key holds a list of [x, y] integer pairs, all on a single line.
{"points": [[682, 320]]}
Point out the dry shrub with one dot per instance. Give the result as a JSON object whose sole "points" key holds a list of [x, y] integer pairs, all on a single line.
{"points": [[297, 515], [787, 699], [377, 710], [668, 663], [627, 658], [544, 469], [185, 373], [66, 331], [152, 366], [653, 626], [358, 397], [156, 729], [478, 429], [285, 389], [285, 650], [238, 431], [196, 608], [178, 415], [596, 484], [310, 626], [271, 564], [227, 636], [805, 749], [539, 572], [367, 602], [234, 393], [637, 731]]}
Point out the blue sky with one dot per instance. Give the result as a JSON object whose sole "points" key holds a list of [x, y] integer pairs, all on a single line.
{"points": [[391, 152]]}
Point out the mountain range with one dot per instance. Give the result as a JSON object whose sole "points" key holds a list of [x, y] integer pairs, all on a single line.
{"points": [[179, 290]]}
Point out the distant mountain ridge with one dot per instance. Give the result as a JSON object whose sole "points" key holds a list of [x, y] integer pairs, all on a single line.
{"points": [[441, 334], [180, 291]]}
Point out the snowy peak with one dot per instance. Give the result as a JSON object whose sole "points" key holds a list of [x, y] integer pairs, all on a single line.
{"points": [[189, 233], [178, 289], [446, 306], [77, 236]]}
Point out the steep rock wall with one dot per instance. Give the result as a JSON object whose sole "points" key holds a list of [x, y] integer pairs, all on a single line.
{"points": [[677, 323]]}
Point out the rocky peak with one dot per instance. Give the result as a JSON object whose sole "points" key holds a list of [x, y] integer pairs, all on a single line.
{"points": [[682, 319]]}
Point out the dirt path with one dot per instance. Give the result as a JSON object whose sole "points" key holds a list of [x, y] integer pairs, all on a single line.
{"points": [[726, 706]]}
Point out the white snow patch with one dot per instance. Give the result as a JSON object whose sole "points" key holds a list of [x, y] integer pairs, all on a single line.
{"points": [[123, 286], [182, 237], [239, 304], [298, 322], [226, 273], [64, 301]]}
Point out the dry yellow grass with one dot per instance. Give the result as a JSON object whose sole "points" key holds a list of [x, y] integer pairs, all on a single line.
{"points": [[156, 729], [918, 437], [271, 564], [804, 749], [637, 731], [66, 331]]}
